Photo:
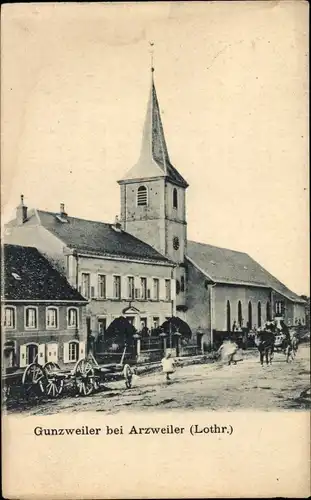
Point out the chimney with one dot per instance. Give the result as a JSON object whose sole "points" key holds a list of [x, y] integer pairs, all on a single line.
{"points": [[117, 226], [21, 212], [62, 212]]}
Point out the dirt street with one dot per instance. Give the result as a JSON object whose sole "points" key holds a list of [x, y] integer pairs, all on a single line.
{"points": [[212, 386]]}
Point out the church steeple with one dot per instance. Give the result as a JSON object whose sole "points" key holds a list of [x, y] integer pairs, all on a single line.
{"points": [[153, 193], [154, 160], [153, 141]]}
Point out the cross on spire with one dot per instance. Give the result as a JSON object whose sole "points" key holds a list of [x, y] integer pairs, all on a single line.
{"points": [[151, 56]]}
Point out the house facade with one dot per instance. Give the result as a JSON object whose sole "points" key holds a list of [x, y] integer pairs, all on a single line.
{"points": [[43, 317], [144, 267], [118, 274]]}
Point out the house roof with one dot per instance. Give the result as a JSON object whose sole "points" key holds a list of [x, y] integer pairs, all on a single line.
{"points": [[154, 160], [28, 275], [96, 238], [223, 265]]}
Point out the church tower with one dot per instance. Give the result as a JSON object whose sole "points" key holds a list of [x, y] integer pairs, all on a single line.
{"points": [[153, 193]]}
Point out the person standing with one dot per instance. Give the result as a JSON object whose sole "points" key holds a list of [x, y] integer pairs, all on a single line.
{"points": [[168, 365]]}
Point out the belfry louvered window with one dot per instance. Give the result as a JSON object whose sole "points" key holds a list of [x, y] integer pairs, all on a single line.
{"points": [[142, 196]]}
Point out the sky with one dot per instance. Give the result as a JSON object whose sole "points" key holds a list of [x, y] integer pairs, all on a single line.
{"points": [[232, 83]]}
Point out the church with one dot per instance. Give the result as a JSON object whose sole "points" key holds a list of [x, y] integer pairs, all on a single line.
{"points": [[143, 267]]}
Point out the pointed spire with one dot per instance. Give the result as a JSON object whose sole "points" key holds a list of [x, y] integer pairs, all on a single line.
{"points": [[154, 159], [153, 142]]}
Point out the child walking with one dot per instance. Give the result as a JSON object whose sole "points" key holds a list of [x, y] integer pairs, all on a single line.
{"points": [[168, 365]]}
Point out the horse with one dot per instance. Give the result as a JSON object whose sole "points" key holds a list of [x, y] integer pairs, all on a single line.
{"points": [[264, 341]]}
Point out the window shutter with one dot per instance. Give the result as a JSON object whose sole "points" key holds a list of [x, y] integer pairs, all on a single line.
{"points": [[124, 287], [81, 350], [136, 282], [162, 293], [52, 352], [41, 354], [22, 356], [173, 289], [66, 352], [149, 288], [109, 286]]}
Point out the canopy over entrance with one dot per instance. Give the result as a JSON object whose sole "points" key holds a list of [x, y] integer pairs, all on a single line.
{"points": [[120, 330], [175, 324]]}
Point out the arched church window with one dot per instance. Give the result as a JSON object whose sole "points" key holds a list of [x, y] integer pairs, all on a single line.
{"points": [[182, 284], [268, 311], [142, 196], [175, 242], [240, 319], [175, 198], [259, 314], [250, 316], [228, 316]]}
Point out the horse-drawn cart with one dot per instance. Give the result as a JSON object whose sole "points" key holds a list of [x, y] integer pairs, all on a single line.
{"points": [[87, 376], [50, 380]]}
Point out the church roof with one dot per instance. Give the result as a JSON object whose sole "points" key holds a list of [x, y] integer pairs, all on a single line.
{"points": [[223, 265], [154, 160], [92, 237], [28, 275]]}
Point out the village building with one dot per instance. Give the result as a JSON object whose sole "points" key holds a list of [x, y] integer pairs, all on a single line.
{"points": [[43, 316], [119, 274], [143, 267]]}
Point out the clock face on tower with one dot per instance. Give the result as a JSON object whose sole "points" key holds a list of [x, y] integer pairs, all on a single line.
{"points": [[175, 243]]}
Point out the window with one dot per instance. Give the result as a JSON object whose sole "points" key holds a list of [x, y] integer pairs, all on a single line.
{"points": [[240, 318], [259, 314], [279, 308], [101, 292], [167, 289], [155, 289], [175, 198], [9, 317], [250, 316], [31, 318], [73, 352], [228, 316], [143, 285], [51, 317], [177, 287], [117, 287], [268, 311], [102, 326], [142, 196], [182, 284], [130, 287], [72, 317], [143, 323], [85, 290], [175, 242], [155, 322]]}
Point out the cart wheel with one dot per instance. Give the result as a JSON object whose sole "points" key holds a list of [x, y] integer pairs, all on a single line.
{"points": [[34, 379], [84, 377], [55, 385], [128, 375]]}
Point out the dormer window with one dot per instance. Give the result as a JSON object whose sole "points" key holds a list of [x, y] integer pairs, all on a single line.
{"points": [[175, 198], [142, 196]]}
